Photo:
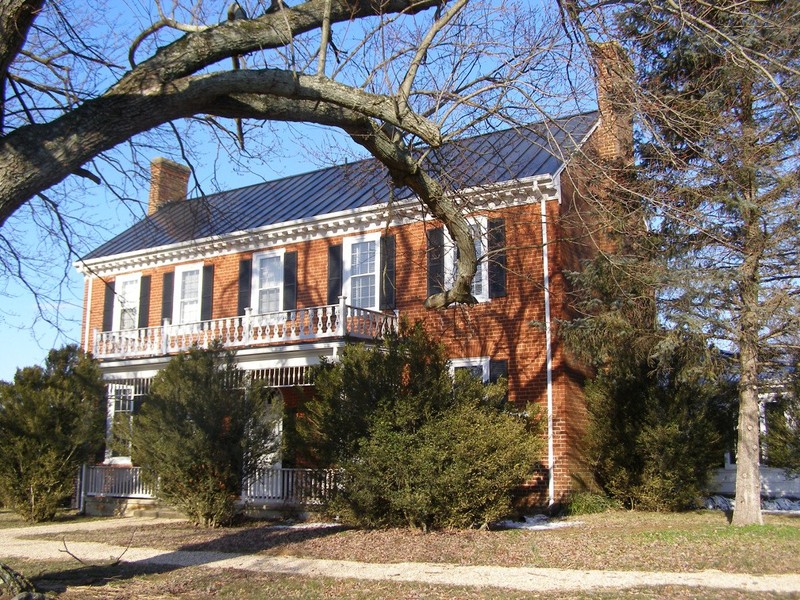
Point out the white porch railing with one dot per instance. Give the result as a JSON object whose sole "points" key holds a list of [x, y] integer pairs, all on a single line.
{"points": [[318, 322], [115, 482], [267, 486], [290, 486]]}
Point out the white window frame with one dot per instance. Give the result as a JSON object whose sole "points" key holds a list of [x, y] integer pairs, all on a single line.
{"points": [[176, 292], [115, 392], [119, 300], [482, 272], [347, 267], [254, 289], [475, 361]]}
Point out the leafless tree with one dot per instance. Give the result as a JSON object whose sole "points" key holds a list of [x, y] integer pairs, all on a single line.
{"points": [[399, 77]]}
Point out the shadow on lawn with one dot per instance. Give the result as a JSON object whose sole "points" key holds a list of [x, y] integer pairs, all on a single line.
{"points": [[241, 541]]}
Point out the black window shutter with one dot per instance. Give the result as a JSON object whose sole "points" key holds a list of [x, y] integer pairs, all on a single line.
{"points": [[290, 281], [245, 281], [144, 301], [207, 299], [498, 369], [388, 295], [166, 295], [435, 261], [497, 257], [108, 307], [335, 267]]}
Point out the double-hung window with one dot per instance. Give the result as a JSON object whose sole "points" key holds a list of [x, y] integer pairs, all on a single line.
{"points": [[267, 282], [188, 289], [361, 269], [126, 303], [480, 283]]}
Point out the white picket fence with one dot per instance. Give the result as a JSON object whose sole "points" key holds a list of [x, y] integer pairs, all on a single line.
{"points": [[269, 486]]}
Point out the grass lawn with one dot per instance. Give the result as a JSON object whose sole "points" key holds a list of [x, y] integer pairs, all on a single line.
{"points": [[614, 540]]}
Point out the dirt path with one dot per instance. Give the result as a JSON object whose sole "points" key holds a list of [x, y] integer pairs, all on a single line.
{"points": [[14, 544]]}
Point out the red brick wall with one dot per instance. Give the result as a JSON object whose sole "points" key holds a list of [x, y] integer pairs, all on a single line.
{"points": [[502, 328]]}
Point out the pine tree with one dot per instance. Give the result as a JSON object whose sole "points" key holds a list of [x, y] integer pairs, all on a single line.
{"points": [[718, 148]]}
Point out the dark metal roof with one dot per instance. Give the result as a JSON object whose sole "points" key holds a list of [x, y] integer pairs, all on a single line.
{"points": [[539, 149]]}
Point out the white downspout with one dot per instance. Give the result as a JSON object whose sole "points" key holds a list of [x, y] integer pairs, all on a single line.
{"points": [[87, 324], [551, 492]]}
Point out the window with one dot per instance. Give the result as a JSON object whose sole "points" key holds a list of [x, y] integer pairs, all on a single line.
{"points": [[480, 283], [121, 401], [361, 261], [478, 366], [188, 287], [126, 302], [267, 282]]}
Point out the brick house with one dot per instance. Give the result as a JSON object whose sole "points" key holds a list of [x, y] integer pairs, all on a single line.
{"points": [[285, 271]]}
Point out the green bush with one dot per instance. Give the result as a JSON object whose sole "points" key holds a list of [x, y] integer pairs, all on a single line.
{"points": [[201, 431], [458, 470], [782, 441], [51, 421], [418, 448], [657, 428]]}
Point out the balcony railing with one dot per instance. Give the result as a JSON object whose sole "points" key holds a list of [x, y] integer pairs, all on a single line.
{"points": [[304, 324]]}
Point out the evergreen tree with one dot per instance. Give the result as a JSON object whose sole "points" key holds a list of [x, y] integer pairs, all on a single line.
{"points": [[718, 151], [51, 421], [201, 431], [418, 447]]}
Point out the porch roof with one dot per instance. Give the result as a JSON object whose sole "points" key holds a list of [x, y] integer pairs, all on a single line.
{"points": [[500, 156]]}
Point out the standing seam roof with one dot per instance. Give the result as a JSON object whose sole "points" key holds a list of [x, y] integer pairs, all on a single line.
{"points": [[491, 158]]}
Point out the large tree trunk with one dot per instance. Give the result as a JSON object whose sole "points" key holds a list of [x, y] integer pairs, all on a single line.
{"points": [[748, 476]]}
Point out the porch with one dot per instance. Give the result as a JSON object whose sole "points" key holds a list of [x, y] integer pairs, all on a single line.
{"points": [[317, 323], [268, 488]]}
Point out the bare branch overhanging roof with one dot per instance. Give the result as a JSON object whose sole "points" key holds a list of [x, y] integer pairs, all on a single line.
{"points": [[496, 157]]}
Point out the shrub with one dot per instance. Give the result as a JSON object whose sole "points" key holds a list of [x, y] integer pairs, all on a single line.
{"points": [[51, 421], [458, 470], [201, 431], [418, 448], [656, 429]]}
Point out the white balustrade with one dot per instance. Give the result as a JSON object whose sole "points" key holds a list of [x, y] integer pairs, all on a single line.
{"points": [[303, 324]]}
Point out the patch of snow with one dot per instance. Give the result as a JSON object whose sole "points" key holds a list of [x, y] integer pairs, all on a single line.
{"points": [[772, 505], [536, 523]]}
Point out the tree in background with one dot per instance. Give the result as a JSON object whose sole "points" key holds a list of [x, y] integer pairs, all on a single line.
{"points": [[419, 449], [716, 88], [52, 420], [201, 431]]}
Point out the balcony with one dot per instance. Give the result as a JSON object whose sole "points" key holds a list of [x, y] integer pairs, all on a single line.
{"points": [[317, 323]]}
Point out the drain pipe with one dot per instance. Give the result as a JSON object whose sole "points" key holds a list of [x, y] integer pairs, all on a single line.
{"points": [[548, 348], [88, 314]]}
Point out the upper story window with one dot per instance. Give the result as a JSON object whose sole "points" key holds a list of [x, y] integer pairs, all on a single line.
{"points": [[480, 283], [267, 282], [361, 268], [490, 248], [126, 302], [188, 290]]}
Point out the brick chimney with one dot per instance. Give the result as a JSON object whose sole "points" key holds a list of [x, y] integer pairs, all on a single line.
{"points": [[169, 181], [614, 101]]}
